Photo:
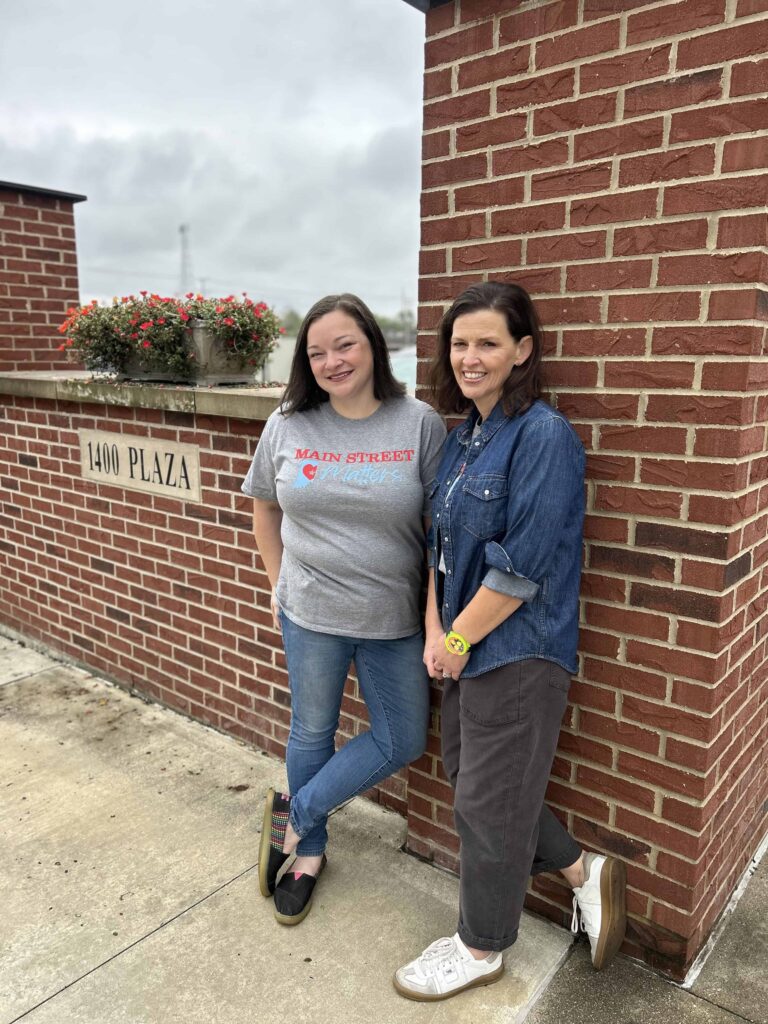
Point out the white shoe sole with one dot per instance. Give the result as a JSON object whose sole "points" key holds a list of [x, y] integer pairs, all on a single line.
{"points": [[613, 925], [423, 997]]}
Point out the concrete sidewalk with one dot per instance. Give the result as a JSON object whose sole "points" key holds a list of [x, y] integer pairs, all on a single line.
{"points": [[128, 857]]}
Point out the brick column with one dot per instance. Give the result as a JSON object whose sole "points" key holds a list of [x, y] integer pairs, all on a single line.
{"points": [[613, 158], [38, 274]]}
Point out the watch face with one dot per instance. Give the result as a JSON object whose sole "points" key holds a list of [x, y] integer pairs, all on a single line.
{"points": [[455, 645]]}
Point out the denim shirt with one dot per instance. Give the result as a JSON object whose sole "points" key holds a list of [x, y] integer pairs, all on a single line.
{"points": [[507, 513]]}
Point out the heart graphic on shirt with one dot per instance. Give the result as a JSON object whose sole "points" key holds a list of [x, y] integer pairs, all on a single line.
{"points": [[309, 471]]}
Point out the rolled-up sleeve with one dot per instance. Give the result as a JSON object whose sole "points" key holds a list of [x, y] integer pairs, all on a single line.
{"points": [[546, 494]]}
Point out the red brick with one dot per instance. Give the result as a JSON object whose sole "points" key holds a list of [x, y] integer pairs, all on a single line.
{"points": [[553, 185], [468, 107], [565, 247], [686, 17], [749, 77], [506, 192], [453, 229], [528, 219], [624, 69], [746, 154], [602, 645], [666, 659], [542, 20], [684, 162], [582, 747], [455, 45], [625, 620], [581, 113], [626, 206], [624, 734], [569, 310], [620, 138], [496, 131], [701, 340], [437, 83], [666, 237], [439, 19], [636, 501], [460, 168], [711, 269], [493, 68], [574, 46], [445, 289], [538, 281], [685, 91], [677, 601], [434, 203], [726, 44], [529, 92], [615, 787], [604, 342], [664, 775], [655, 375], [649, 684], [435, 145], [517, 159], [608, 275], [576, 800], [746, 7], [672, 440], [485, 256], [579, 373], [654, 307], [726, 194], [732, 118], [599, 407]]}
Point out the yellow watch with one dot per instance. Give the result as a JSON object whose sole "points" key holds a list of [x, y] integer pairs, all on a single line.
{"points": [[456, 643]]}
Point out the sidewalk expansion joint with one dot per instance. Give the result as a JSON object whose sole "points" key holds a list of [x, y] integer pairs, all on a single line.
{"points": [[136, 942]]}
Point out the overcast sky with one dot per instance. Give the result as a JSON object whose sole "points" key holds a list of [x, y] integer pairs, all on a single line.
{"points": [[285, 133]]}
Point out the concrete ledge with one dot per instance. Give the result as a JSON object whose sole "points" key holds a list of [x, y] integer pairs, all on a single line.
{"points": [[248, 403]]}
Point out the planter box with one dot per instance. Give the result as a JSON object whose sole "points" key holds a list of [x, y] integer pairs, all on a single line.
{"points": [[213, 363]]}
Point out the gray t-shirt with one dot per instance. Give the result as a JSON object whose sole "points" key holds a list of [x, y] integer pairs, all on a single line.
{"points": [[353, 494]]}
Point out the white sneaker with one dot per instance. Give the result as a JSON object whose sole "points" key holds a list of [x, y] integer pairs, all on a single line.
{"points": [[601, 904], [444, 969]]}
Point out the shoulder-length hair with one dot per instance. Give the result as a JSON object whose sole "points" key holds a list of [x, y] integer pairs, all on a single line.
{"points": [[303, 392], [523, 385]]}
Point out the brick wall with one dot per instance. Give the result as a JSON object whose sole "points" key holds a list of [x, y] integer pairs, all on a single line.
{"points": [[164, 596], [38, 275], [613, 158]]}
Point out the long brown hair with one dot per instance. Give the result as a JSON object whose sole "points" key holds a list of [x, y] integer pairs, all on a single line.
{"points": [[523, 385], [303, 392]]}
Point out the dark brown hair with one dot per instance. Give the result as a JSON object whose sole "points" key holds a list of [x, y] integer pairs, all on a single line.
{"points": [[523, 385], [303, 392]]}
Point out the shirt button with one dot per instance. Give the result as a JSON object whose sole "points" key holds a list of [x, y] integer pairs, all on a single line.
{"points": [[486, 492], [445, 539], [437, 516], [449, 572], [476, 443]]}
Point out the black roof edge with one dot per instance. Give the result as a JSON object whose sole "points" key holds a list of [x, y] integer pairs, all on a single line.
{"points": [[427, 5], [54, 193]]}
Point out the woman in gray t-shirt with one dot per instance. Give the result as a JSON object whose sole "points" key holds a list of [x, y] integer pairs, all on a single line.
{"points": [[340, 484]]}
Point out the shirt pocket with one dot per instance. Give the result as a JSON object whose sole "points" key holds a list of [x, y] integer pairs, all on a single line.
{"points": [[484, 512]]}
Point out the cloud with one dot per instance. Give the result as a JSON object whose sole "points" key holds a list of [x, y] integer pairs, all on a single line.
{"points": [[286, 135]]}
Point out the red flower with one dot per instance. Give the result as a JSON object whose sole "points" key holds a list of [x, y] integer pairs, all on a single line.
{"points": [[161, 321], [184, 316], [134, 336], [143, 293], [146, 326], [282, 330], [228, 321], [61, 348], [189, 295], [146, 344], [220, 309]]}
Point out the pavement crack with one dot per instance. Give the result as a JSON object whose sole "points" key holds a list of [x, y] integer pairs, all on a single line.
{"points": [[132, 945], [725, 1009]]}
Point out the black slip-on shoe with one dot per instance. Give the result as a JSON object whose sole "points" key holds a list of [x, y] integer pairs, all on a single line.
{"points": [[293, 896], [271, 857]]}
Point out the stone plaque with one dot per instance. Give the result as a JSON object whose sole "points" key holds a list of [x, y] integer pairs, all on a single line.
{"points": [[142, 464]]}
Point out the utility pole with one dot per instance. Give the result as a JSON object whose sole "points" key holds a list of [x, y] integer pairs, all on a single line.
{"points": [[185, 279]]}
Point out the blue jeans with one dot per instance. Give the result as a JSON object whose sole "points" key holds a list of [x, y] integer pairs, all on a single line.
{"points": [[395, 686]]}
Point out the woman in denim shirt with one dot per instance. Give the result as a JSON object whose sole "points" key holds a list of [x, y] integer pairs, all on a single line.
{"points": [[502, 630]]}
